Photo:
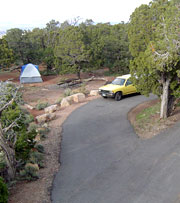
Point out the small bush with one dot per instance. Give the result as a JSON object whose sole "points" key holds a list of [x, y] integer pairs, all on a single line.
{"points": [[30, 172], [67, 92], [59, 100], [28, 118], [43, 131], [81, 89], [3, 191], [37, 158], [40, 148], [32, 127], [41, 106], [24, 144]]}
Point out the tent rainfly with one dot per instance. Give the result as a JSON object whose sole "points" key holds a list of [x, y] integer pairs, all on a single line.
{"points": [[30, 74]]}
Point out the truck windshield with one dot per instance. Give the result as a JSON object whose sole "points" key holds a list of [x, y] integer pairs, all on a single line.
{"points": [[118, 81]]}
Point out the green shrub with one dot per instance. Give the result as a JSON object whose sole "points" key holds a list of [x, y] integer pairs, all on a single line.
{"points": [[37, 158], [32, 126], [43, 132], [41, 106], [10, 114], [59, 100], [28, 118], [81, 89], [3, 191], [25, 142], [21, 134], [30, 172], [40, 148], [24, 138], [67, 92]]}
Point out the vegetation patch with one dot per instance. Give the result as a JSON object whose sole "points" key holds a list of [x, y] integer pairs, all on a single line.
{"points": [[67, 92], [147, 123], [42, 105], [81, 89], [3, 191], [146, 115]]}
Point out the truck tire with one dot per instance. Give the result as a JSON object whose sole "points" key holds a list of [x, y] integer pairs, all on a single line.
{"points": [[118, 96]]}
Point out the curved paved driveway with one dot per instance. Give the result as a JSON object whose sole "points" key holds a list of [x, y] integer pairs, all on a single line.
{"points": [[103, 161]]}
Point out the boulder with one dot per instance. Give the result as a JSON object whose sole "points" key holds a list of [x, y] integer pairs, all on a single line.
{"points": [[45, 117], [94, 92], [51, 116], [79, 97], [42, 118], [67, 101], [29, 106], [51, 109]]}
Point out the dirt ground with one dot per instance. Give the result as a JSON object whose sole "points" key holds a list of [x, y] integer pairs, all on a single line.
{"points": [[48, 91], [155, 125]]}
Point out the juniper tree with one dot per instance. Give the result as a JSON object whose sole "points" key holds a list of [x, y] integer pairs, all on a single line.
{"points": [[6, 54], [154, 35], [71, 50]]}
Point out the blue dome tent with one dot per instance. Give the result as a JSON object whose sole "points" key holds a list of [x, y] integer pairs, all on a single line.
{"points": [[30, 74]]}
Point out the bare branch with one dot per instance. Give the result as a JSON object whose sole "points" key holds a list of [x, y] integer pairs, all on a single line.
{"points": [[10, 102], [11, 125]]}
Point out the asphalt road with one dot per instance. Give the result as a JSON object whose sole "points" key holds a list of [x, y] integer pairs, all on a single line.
{"points": [[103, 160]]}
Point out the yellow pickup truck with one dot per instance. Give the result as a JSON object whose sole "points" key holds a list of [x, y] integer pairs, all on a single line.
{"points": [[120, 86]]}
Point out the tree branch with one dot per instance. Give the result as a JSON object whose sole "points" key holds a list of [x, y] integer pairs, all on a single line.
{"points": [[11, 125], [10, 102]]}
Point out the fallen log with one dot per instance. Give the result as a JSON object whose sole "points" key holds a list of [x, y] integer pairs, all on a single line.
{"points": [[104, 79], [67, 81], [74, 81]]}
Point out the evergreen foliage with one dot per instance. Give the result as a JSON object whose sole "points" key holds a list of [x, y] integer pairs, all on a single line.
{"points": [[24, 139], [6, 54], [155, 45], [16, 140], [71, 50], [3, 192], [72, 47]]}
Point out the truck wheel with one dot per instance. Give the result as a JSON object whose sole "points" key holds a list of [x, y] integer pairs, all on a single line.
{"points": [[118, 96]]}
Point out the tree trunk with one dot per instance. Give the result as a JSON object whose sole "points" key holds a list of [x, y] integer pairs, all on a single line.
{"points": [[79, 73], [10, 157], [171, 101], [165, 99]]}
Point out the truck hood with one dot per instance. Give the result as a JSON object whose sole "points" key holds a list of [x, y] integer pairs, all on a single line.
{"points": [[110, 87]]}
